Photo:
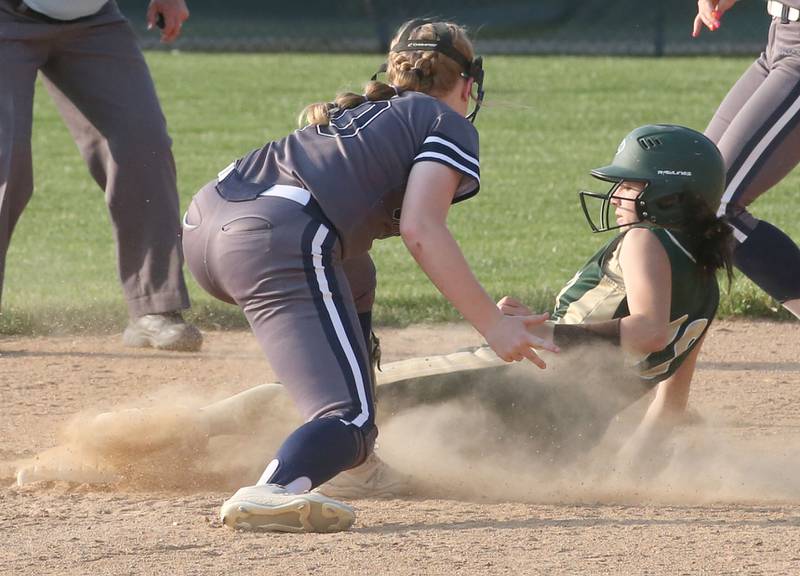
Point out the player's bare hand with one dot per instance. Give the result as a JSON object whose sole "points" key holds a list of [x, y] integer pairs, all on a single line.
{"points": [[512, 340], [510, 306], [174, 14], [709, 14]]}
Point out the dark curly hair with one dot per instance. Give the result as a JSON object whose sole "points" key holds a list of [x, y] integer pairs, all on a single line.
{"points": [[711, 237]]}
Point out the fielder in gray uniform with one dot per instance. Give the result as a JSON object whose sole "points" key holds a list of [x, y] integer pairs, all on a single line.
{"points": [[273, 232], [756, 129], [92, 67]]}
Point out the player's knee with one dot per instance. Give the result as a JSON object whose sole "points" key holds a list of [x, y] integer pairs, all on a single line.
{"points": [[141, 149], [738, 216], [770, 259], [742, 224], [363, 432]]}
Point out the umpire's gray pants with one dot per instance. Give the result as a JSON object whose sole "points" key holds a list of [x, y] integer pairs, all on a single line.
{"points": [[100, 83]]}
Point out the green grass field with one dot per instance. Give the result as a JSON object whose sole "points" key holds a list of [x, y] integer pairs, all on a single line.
{"points": [[546, 122]]}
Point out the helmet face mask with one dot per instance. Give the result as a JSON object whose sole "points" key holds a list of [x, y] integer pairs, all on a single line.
{"points": [[679, 168], [602, 224], [651, 207]]}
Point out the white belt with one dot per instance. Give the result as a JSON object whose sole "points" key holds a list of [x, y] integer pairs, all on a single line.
{"points": [[299, 195], [295, 193], [782, 11]]}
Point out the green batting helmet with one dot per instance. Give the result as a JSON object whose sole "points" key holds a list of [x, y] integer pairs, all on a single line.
{"points": [[679, 167]]}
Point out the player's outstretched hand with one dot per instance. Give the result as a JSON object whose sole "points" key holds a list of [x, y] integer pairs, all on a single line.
{"points": [[709, 14], [512, 340], [174, 14]]}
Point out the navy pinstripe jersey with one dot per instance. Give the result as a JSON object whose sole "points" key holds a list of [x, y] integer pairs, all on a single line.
{"points": [[357, 166], [597, 293]]}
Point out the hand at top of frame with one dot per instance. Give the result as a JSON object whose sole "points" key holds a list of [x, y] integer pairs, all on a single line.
{"points": [[709, 13], [174, 13]]}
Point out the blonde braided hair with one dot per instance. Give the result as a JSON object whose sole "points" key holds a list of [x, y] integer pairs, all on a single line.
{"points": [[425, 71]]}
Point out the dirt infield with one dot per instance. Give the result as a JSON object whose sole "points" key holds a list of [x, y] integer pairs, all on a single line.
{"points": [[727, 501]]}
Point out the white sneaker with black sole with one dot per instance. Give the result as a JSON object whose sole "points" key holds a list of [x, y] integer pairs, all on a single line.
{"points": [[271, 508]]}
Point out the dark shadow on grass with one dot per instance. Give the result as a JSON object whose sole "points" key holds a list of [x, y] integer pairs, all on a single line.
{"points": [[105, 319], [155, 355]]}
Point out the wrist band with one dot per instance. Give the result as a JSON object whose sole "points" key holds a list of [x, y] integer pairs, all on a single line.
{"points": [[570, 335]]}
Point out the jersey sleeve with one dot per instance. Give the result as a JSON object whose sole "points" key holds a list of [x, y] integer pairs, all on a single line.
{"points": [[453, 141]]}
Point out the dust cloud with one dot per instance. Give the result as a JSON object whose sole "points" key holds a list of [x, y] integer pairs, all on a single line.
{"points": [[178, 441], [556, 437], [505, 433]]}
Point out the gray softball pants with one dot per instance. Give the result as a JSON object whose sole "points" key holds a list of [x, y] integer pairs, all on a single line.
{"points": [[280, 261], [100, 83], [756, 129]]}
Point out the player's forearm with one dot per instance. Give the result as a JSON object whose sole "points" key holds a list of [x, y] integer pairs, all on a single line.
{"points": [[439, 256], [635, 334]]}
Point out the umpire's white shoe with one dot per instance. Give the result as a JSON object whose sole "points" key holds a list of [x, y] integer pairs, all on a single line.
{"points": [[272, 508], [166, 331], [372, 479]]}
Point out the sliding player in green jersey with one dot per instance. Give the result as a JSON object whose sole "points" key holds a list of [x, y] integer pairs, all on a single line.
{"points": [[652, 290]]}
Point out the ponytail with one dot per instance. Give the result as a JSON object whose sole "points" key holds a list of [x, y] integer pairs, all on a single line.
{"points": [[320, 113]]}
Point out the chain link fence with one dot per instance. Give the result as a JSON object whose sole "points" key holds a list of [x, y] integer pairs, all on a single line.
{"points": [[632, 27]]}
